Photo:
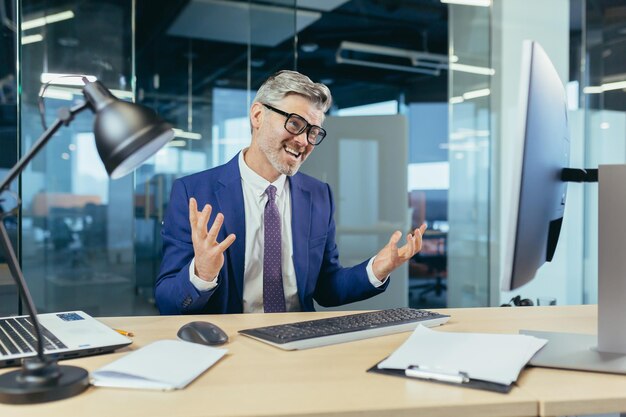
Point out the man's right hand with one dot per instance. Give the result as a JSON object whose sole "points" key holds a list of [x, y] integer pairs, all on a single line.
{"points": [[209, 254]]}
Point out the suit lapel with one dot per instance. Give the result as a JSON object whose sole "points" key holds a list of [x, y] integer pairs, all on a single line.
{"points": [[300, 225], [230, 198]]}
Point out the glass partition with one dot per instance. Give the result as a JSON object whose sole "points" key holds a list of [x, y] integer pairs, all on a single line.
{"points": [[469, 152], [77, 226], [9, 99]]}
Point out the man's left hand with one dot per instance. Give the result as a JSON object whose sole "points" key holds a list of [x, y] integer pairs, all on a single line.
{"points": [[390, 257]]}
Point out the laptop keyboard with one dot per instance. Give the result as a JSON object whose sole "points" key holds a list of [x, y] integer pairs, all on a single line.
{"points": [[17, 335]]}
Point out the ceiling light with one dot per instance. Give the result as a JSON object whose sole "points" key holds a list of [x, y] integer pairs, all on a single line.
{"points": [[309, 47], [376, 56], [420, 62], [476, 93], [31, 39], [617, 85], [177, 143], [65, 79], [472, 69], [53, 18], [122, 94], [66, 93], [480, 3], [178, 133], [592, 89], [257, 63]]}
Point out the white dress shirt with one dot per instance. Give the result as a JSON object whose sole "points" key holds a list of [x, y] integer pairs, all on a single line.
{"points": [[254, 199]]}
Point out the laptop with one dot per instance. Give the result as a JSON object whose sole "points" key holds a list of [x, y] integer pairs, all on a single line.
{"points": [[69, 334]]}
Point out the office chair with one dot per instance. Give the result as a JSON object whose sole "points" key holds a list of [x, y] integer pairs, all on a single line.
{"points": [[430, 206], [433, 261]]}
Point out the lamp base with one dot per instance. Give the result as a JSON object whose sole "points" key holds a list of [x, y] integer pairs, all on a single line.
{"points": [[39, 382]]}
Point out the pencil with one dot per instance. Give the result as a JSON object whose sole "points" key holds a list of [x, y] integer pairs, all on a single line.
{"points": [[124, 332]]}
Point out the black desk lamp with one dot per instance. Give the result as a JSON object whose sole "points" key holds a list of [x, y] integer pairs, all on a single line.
{"points": [[126, 134]]}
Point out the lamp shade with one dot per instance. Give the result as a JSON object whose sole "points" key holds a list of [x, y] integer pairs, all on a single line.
{"points": [[126, 134]]}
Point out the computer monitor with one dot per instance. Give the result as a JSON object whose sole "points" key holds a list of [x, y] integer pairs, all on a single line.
{"points": [[538, 195], [541, 151]]}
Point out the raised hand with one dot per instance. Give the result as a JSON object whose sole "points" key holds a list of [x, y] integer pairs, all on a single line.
{"points": [[209, 254], [390, 257]]}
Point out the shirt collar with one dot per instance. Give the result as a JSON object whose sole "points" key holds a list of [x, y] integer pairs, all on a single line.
{"points": [[257, 182]]}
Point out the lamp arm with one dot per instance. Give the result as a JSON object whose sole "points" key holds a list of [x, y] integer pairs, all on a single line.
{"points": [[65, 117]]}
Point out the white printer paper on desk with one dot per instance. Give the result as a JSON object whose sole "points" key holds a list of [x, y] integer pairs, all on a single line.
{"points": [[489, 357], [164, 365]]}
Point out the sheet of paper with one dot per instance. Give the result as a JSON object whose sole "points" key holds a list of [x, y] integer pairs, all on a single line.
{"points": [[490, 357], [164, 364]]}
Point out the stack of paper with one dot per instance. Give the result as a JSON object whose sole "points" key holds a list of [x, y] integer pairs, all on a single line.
{"points": [[164, 365], [497, 358]]}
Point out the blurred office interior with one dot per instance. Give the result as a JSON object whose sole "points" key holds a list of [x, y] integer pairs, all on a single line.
{"points": [[425, 95]]}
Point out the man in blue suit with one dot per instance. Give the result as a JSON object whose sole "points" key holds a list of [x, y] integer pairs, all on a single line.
{"points": [[271, 244]]}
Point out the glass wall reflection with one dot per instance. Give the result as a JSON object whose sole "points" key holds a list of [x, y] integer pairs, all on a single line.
{"points": [[77, 226]]}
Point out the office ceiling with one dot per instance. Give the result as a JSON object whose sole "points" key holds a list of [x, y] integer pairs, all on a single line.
{"points": [[209, 39], [215, 35]]}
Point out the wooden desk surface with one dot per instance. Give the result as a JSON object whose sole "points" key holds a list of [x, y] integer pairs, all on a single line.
{"points": [[255, 379]]}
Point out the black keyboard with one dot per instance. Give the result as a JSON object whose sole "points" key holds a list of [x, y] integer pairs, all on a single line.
{"points": [[314, 333]]}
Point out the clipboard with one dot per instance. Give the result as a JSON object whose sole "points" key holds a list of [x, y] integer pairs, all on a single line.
{"points": [[461, 380]]}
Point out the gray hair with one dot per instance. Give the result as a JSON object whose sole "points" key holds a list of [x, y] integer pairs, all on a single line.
{"points": [[284, 83]]}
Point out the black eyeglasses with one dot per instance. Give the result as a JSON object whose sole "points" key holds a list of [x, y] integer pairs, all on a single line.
{"points": [[296, 125]]}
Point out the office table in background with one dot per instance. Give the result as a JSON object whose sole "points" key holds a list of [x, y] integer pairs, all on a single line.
{"points": [[255, 379]]}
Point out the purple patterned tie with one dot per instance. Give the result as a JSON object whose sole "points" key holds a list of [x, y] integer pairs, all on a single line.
{"points": [[273, 294]]}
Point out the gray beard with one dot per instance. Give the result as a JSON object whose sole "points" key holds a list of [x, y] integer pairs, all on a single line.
{"points": [[273, 157]]}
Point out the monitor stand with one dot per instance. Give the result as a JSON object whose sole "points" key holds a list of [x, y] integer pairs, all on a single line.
{"points": [[605, 352], [575, 351]]}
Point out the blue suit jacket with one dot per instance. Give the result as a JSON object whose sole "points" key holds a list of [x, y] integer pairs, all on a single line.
{"points": [[319, 275]]}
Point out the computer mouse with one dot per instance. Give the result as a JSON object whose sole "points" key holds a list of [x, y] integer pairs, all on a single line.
{"points": [[202, 332]]}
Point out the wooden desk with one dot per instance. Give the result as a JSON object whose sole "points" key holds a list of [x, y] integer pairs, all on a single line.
{"points": [[255, 379]]}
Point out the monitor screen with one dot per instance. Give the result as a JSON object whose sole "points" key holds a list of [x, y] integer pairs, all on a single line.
{"points": [[541, 151]]}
